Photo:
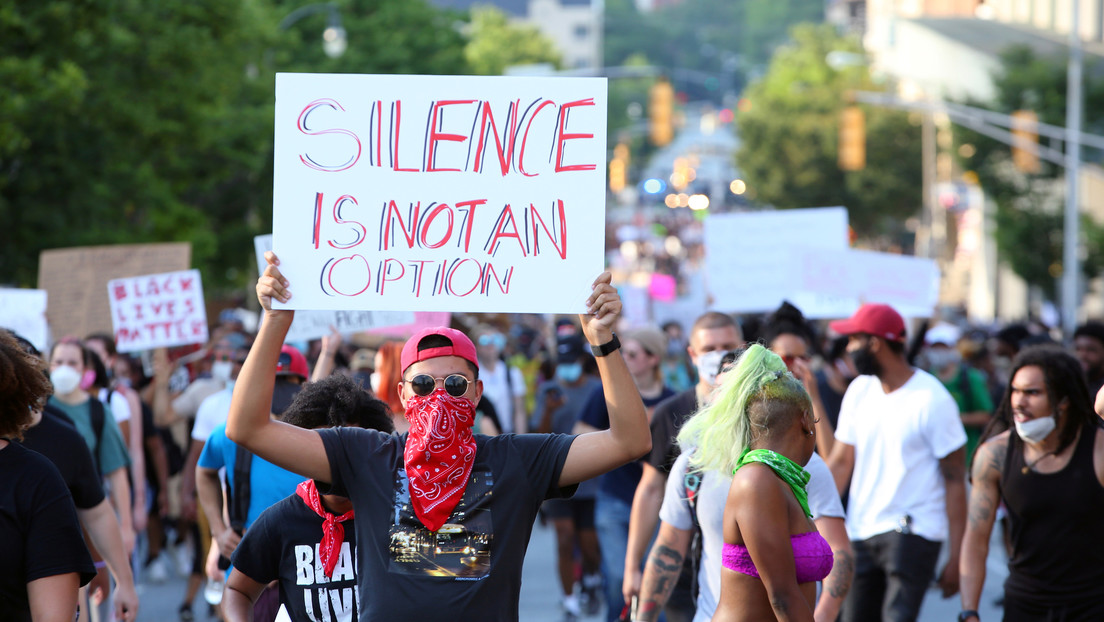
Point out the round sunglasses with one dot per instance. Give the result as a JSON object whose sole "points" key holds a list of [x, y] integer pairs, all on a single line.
{"points": [[424, 384]]}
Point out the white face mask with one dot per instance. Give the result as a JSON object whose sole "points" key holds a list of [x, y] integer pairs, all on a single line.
{"points": [[1035, 430], [374, 381], [65, 379], [941, 358], [221, 370], [707, 365]]}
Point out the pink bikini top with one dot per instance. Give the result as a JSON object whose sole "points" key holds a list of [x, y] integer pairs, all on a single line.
{"points": [[812, 557]]}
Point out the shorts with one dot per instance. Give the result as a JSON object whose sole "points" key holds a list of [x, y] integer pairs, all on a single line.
{"points": [[581, 511]]}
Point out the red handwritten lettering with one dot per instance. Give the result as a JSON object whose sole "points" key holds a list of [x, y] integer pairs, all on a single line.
{"points": [[435, 136], [301, 123], [564, 137]]}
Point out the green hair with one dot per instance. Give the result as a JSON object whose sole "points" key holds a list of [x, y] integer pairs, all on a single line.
{"points": [[757, 395]]}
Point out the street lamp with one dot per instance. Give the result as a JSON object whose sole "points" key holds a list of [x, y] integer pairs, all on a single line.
{"points": [[334, 40]]}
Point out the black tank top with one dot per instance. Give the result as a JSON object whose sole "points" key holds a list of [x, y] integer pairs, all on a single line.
{"points": [[1057, 526]]}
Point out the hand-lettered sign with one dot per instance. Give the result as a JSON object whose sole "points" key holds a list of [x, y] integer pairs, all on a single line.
{"points": [[439, 193], [76, 279], [157, 310], [314, 324]]}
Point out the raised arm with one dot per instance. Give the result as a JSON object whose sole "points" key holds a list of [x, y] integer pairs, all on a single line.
{"points": [[984, 500], [250, 423], [628, 438]]}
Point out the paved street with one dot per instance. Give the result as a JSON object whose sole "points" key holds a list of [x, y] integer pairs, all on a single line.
{"points": [[540, 601]]}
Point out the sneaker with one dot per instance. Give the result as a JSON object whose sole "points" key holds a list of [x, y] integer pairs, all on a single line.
{"points": [[571, 608], [186, 614], [592, 586], [156, 571]]}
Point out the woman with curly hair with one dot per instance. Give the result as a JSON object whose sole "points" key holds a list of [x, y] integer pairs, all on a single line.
{"points": [[45, 559], [760, 428]]}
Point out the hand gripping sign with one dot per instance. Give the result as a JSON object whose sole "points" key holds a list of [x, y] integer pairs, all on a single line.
{"points": [[439, 193]]}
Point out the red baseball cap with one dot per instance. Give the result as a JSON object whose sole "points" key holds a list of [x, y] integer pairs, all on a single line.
{"points": [[873, 319], [461, 346], [292, 361]]}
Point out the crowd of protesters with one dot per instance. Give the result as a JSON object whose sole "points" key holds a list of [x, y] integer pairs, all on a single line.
{"points": [[146, 447]]}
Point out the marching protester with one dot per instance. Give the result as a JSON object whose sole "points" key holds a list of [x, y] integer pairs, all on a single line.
{"points": [[694, 506], [900, 453], [431, 535], [760, 427], [711, 337], [53, 435], [1042, 457], [45, 559], [287, 538]]}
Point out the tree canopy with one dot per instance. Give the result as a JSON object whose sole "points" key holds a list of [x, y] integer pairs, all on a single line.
{"points": [[790, 136], [1029, 207], [137, 121]]}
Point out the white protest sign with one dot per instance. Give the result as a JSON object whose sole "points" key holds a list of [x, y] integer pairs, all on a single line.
{"points": [[753, 259], [439, 193], [310, 325], [23, 311], [157, 310], [908, 284]]}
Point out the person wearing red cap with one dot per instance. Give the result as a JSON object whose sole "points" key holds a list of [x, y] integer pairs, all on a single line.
{"points": [[900, 444], [443, 515]]}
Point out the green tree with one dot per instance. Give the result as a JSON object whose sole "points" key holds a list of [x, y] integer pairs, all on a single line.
{"points": [[495, 44], [790, 137], [1028, 220], [141, 121]]}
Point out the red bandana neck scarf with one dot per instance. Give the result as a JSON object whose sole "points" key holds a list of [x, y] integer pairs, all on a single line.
{"points": [[440, 451], [333, 532]]}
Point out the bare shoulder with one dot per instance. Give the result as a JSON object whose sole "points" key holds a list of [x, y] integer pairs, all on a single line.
{"points": [[1098, 453]]}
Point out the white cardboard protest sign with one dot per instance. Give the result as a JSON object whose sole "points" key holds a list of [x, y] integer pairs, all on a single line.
{"points": [[853, 277], [157, 310], [23, 311], [754, 259], [310, 325], [439, 193]]}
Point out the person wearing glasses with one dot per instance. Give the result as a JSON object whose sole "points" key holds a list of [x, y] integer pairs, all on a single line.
{"points": [[443, 515]]}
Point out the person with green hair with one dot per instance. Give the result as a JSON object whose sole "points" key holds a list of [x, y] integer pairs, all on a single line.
{"points": [[759, 427]]}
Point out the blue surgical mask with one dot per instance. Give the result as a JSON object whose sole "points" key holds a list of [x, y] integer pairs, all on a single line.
{"points": [[569, 372]]}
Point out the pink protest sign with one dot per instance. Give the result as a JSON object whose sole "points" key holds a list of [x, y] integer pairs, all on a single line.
{"points": [[422, 319], [157, 310]]}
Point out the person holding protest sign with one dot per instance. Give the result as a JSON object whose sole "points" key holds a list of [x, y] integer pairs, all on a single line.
{"points": [[440, 548]]}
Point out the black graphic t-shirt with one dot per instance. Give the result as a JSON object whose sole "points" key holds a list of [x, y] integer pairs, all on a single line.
{"points": [[283, 544], [470, 569]]}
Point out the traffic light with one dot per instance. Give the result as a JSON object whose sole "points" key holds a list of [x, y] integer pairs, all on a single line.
{"points": [[661, 109], [852, 139], [618, 167], [1025, 126]]}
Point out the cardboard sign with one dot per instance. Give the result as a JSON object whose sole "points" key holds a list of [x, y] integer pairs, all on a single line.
{"points": [[76, 280], [754, 259], [310, 325], [158, 310], [23, 311], [439, 193]]}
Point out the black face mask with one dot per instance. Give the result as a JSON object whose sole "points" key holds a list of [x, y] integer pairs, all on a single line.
{"points": [[865, 362]]}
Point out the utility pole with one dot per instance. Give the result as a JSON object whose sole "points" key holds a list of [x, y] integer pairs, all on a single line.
{"points": [[1071, 262]]}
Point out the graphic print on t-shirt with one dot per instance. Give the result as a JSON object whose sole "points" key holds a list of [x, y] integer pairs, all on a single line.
{"points": [[325, 599], [461, 549]]}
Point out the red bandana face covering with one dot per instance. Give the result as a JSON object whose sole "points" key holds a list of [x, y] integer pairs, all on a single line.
{"points": [[439, 454], [333, 532]]}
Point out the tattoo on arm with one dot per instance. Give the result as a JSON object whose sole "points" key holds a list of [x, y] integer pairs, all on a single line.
{"points": [[838, 582], [665, 565]]}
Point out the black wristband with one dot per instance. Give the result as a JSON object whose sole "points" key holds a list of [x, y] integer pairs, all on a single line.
{"points": [[607, 347], [967, 614]]}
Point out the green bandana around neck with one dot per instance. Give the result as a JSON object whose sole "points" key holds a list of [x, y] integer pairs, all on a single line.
{"points": [[787, 469]]}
